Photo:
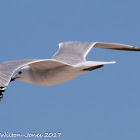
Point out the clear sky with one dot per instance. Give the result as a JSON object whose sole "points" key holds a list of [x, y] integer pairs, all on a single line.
{"points": [[101, 105]]}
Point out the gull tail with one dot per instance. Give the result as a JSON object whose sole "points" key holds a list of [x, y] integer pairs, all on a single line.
{"points": [[92, 65]]}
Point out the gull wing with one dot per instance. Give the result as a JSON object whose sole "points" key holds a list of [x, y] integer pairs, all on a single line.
{"points": [[47, 64], [115, 46], [8, 68], [75, 52]]}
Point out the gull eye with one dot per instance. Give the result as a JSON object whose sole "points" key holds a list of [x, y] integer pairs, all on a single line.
{"points": [[19, 72]]}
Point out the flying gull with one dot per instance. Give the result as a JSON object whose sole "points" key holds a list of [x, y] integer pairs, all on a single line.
{"points": [[67, 63]]}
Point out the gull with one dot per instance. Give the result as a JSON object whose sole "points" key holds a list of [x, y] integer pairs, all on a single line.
{"points": [[67, 63]]}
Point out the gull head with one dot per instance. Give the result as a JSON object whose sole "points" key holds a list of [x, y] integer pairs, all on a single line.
{"points": [[22, 74]]}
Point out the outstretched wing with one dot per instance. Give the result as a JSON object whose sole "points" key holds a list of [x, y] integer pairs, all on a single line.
{"points": [[75, 52], [115, 46], [46, 64], [8, 68]]}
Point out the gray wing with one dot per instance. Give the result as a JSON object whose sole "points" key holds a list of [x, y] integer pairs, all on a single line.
{"points": [[7, 69], [116, 46], [47, 64], [75, 52]]}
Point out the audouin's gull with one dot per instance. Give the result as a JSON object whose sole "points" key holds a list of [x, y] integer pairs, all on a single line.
{"points": [[68, 63]]}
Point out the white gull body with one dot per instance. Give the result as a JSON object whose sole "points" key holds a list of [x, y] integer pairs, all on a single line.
{"points": [[48, 77]]}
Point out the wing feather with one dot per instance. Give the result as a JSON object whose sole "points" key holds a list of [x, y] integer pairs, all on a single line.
{"points": [[75, 52], [8, 68], [47, 64], [115, 46]]}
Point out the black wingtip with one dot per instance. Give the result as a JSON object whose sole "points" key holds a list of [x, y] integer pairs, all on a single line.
{"points": [[126, 49], [1, 94], [2, 90]]}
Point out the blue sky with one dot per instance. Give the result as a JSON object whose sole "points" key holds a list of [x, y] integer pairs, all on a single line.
{"points": [[103, 104]]}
